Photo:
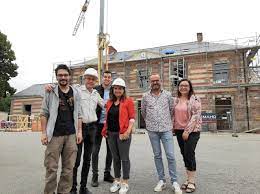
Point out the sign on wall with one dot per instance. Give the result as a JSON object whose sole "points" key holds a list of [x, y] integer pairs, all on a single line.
{"points": [[208, 117]]}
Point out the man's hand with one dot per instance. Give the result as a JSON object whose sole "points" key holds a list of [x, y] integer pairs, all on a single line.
{"points": [[185, 136], [44, 138], [48, 87], [79, 137]]}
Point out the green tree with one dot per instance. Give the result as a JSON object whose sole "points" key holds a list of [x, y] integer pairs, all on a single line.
{"points": [[5, 104], [8, 69]]}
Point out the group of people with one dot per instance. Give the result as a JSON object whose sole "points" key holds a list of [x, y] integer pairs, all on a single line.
{"points": [[76, 118]]}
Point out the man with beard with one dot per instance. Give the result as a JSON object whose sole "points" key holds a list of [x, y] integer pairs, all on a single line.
{"points": [[61, 131], [157, 111], [90, 98], [103, 89]]}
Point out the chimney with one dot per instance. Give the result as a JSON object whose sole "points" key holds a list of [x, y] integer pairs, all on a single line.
{"points": [[199, 37], [111, 50]]}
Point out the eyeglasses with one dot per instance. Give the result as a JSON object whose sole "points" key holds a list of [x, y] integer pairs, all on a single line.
{"points": [[62, 75], [184, 86], [153, 81]]}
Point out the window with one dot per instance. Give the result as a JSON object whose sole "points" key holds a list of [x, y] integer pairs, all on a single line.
{"points": [[177, 70], [142, 76], [220, 73], [81, 80], [27, 109], [114, 75]]}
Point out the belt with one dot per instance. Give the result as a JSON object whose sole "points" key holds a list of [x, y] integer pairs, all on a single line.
{"points": [[89, 124]]}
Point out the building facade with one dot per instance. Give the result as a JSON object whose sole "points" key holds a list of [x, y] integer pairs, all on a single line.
{"points": [[225, 75]]}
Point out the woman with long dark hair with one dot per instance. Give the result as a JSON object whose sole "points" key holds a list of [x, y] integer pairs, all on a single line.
{"points": [[118, 129], [187, 125]]}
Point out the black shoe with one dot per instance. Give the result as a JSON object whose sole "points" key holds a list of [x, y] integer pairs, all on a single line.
{"points": [[108, 178], [73, 192], [94, 182], [84, 191]]}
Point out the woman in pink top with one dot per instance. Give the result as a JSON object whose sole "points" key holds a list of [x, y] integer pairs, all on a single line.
{"points": [[187, 125]]}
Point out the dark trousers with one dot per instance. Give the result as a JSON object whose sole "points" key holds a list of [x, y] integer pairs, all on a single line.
{"points": [[188, 148], [88, 132], [96, 149], [120, 154]]}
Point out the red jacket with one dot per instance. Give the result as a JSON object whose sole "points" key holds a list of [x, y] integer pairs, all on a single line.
{"points": [[126, 112]]}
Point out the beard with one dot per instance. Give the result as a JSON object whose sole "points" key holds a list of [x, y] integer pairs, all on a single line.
{"points": [[156, 87], [63, 82]]}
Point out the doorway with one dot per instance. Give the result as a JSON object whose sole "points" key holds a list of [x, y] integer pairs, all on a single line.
{"points": [[141, 122], [224, 113]]}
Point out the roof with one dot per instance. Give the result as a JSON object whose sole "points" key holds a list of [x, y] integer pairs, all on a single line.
{"points": [[36, 90], [166, 51]]}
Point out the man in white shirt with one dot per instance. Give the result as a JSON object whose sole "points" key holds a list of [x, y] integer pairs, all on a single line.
{"points": [[90, 98]]}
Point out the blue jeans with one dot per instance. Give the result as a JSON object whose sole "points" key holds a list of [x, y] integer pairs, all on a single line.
{"points": [[167, 141]]}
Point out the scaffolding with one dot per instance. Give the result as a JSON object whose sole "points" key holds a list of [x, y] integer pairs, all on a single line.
{"points": [[239, 79]]}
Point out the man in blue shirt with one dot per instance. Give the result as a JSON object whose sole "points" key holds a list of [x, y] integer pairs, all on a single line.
{"points": [[103, 90]]}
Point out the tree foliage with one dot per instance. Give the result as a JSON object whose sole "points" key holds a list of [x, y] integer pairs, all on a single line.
{"points": [[5, 104], [8, 69]]}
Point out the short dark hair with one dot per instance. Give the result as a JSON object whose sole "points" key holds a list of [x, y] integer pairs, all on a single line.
{"points": [[113, 97], [191, 92], [107, 71], [62, 66]]}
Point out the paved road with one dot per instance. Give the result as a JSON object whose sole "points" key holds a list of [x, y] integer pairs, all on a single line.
{"points": [[225, 165]]}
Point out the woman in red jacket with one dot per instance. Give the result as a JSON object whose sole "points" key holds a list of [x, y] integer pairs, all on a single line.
{"points": [[120, 120]]}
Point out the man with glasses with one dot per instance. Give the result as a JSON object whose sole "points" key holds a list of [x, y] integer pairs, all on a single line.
{"points": [[157, 111], [103, 89], [61, 131], [90, 98]]}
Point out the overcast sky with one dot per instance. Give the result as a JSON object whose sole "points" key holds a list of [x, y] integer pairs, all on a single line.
{"points": [[41, 31]]}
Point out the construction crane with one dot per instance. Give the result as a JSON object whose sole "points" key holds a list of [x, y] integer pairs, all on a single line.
{"points": [[81, 17], [102, 37]]}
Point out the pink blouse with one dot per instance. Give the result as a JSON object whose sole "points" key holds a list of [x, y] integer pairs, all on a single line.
{"points": [[194, 114], [181, 116]]}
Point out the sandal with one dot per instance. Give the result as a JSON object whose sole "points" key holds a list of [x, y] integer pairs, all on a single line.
{"points": [[184, 185], [191, 187]]}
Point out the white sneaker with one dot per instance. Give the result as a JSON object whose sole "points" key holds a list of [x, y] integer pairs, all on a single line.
{"points": [[124, 188], [115, 186], [160, 186], [176, 188]]}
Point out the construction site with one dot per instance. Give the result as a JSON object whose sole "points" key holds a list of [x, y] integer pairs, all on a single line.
{"points": [[225, 75]]}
